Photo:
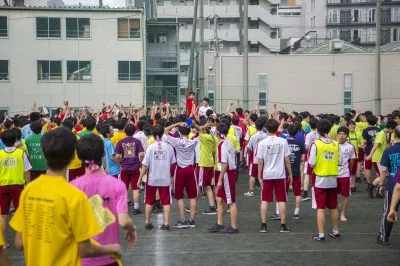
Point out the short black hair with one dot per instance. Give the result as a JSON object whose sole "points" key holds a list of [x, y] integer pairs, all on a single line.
{"points": [[185, 131], [292, 130], [58, 148], [235, 121], [57, 121], [391, 124], [8, 123], [206, 99], [344, 130], [260, 123], [68, 123], [34, 116], [397, 131], [253, 117], [90, 123], [140, 124], [350, 122], [272, 125], [371, 119], [18, 133], [36, 126], [9, 138], [313, 123], [104, 130], [120, 124], [130, 130], [158, 131], [223, 128], [191, 93], [239, 111], [324, 126], [209, 112], [90, 148], [18, 122]]}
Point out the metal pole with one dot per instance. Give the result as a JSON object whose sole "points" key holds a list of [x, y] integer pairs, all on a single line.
{"points": [[378, 59], [191, 64], [201, 67], [246, 54]]}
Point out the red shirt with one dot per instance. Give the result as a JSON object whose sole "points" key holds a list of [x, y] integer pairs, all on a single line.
{"points": [[189, 105]]}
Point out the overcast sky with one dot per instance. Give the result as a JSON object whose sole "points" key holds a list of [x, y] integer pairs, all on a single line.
{"points": [[112, 3]]}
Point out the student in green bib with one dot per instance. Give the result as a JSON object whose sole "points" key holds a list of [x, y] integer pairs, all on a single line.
{"points": [[35, 152], [14, 165], [324, 159]]}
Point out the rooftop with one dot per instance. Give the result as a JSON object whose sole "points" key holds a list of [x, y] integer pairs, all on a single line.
{"points": [[72, 7]]}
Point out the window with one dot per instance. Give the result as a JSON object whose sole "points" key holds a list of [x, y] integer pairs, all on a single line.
{"points": [[254, 2], [79, 70], [77, 27], [254, 48], [253, 24], [49, 70], [211, 89], [371, 15], [262, 89], [396, 14], [128, 28], [395, 35], [333, 16], [371, 35], [129, 70], [3, 27], [3, 69], [356, 15], [347, 92], [162, 38], [48, 27], [333, 34]]}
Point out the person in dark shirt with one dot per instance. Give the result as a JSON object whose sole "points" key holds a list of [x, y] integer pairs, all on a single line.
{"points": [[297, 155], [369, 137]]}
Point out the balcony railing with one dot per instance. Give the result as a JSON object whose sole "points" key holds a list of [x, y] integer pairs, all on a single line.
{"points": [[160, 93], [359, 2], [349, 19], [162, 62]]}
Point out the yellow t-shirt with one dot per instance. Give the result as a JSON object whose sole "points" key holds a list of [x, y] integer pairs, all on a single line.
{"points": [[234, 141], [23, 146], [150, 140], [381, 140], [360, 126], [76, 162], [251, 130], [53, 217], [2, 243], [333, 133], [118, 136], [207, 152]]}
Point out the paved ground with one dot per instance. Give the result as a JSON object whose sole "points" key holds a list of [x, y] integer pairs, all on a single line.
{"points": [[197, 247]]}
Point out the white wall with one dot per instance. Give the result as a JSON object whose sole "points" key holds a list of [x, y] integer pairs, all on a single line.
{"points": [[305, 82], [103, 49]]}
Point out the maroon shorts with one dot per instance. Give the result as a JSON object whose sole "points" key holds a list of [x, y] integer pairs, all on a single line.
{"points": [[150, 195], [326, 198], [205, 175], [343, 186], [185, 180], [361, 155], [8, 194], [353, 170], [368, 164], [253, 170], [73, 174], [296, 185], [36, 173], [228, 190], [271, 185], [130, 177], [216, 176], [173, 169]]}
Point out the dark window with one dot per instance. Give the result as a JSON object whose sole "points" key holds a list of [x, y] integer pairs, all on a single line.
{"points": [[49, 70], [262, 97], [128, 28], [3, 27], [129, 70], [48, 27], [79, 70], [253, 24], [254, 2], [254, 48], [3, 69], [77, 27]]}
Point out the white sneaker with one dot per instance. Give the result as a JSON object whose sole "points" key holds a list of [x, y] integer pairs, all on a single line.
{"points": [[249, 194]]}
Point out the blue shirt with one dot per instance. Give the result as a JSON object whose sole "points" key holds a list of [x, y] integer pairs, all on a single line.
{"points": [[112, 167], [391, 160], [2, 146], [26, 131], [300, 137]]}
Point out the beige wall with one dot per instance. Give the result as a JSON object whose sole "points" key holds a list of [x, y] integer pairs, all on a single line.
{"points": [[306, 82], [103, 49]]}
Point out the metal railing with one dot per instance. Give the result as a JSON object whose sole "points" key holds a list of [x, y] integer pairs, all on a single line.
{"points": [[351, 19], [162, 93], [162, 62]]}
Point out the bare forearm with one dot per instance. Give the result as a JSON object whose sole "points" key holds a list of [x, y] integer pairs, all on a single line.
{"points": [[288, 165]]}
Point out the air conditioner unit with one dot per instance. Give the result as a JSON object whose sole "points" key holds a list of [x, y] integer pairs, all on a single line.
{"points": [[336, 45]]}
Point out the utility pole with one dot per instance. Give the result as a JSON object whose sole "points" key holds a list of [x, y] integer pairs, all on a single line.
{"points": [[191, 64], [378, 60], [246, 54], [100, 3], [201, 67]]}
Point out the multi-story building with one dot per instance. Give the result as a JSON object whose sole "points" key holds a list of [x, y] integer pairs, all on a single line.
{"points": [[355, 21], [271, 23], [86, 55]]}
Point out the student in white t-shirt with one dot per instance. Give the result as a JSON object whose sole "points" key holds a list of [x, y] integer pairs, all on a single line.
{"points": [[140, 134], [158, 160], [273, 155], [346, 160], [203, 109], [309, 140]]}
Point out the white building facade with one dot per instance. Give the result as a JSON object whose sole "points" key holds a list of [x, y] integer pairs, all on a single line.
{"points": [[87, 56]]}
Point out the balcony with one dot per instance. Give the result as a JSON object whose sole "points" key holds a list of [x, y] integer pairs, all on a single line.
{"points": [[162, 63], [172, 11], [160, 93], [343, 20], [230, 35], [342, 3]]}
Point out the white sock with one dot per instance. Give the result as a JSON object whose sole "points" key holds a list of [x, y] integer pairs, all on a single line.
{"points": [[321, 235], [297, 211], [136, 206], [277, 209], [335, 232]]}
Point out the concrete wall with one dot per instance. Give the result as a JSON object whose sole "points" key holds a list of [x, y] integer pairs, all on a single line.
{"points": [[103, 49], [307, 82]]}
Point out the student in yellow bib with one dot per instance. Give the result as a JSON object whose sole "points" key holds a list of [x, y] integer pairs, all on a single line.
{"points": [[55, 222], [324, 159], [4, 260], [14, 171], [355, 139]]}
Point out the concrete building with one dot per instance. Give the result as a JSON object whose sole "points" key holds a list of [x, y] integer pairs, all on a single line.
{"points": [[86, 55], [318, 82], [354, 21]]}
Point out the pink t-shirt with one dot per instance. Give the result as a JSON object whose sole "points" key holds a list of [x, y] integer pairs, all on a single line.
{"points": [[114, 196]]}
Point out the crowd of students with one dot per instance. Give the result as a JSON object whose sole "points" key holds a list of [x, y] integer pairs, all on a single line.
{"points": [[76, 168]]}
